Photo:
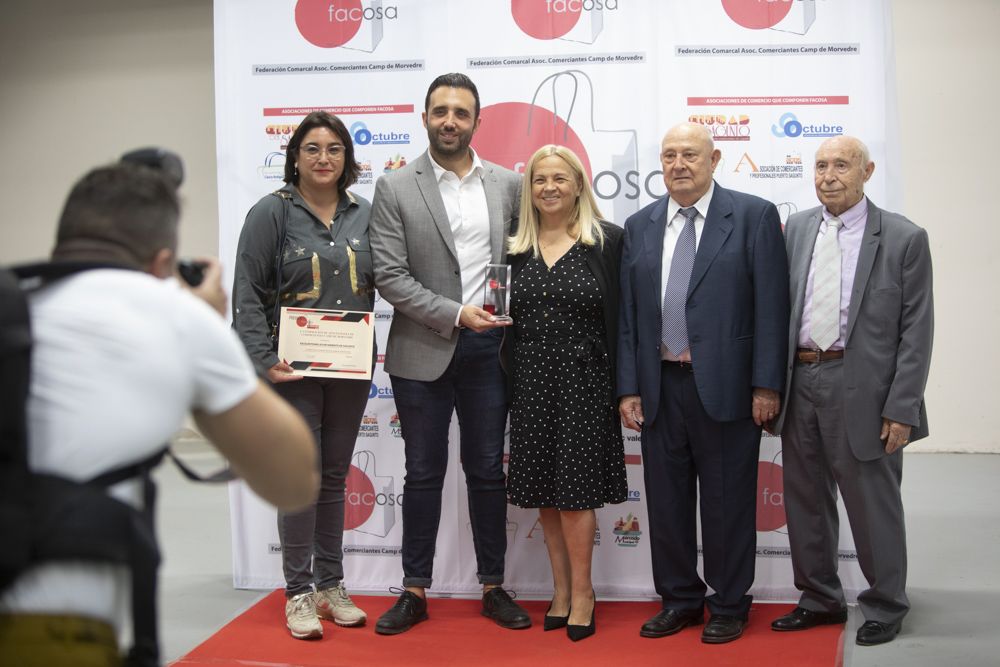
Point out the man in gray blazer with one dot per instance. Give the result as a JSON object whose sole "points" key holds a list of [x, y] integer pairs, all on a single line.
{"points": [[862, 323], [435, 225]]}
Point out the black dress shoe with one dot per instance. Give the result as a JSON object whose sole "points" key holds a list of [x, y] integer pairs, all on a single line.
{"points": [[803, 619], [671, 621], [872, 633], [578, 632], [504, 611], [554, 622], [722, 628], [409, 610]]}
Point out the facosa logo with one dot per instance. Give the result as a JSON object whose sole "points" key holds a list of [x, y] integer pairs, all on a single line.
{"points": [[795, 16], [724, 127], [370, 499], [770, 496], [333, 23], [552, 19]]}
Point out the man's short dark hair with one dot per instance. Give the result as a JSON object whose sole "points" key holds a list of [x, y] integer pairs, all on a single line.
{"points": [[130, 207], [323, 119], [452, 80]]}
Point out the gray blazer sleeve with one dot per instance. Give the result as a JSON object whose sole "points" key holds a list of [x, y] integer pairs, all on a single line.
{"points": [[916, 333]]}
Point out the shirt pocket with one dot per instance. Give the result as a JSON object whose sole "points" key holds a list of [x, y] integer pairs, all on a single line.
{"points": [[359, 257], [300, 279]]}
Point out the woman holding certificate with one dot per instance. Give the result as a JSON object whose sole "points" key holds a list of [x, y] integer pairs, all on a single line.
{"points": [[566, 452], [306, 246]]}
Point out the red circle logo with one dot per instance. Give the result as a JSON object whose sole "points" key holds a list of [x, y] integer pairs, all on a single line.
{"points": [[755, 14], [328, 23], [301, 320], [546, 19], [770, 496], [359, 497], [512, 131]]}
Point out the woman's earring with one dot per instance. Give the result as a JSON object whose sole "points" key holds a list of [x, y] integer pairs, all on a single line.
{"points": [[296, 169]]}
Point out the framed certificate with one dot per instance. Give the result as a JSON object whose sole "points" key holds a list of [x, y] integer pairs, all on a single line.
{"points": [[327, 343]]}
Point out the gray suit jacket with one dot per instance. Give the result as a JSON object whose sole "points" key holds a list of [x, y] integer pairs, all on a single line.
{"points": [[416, 265], [890, 324]]}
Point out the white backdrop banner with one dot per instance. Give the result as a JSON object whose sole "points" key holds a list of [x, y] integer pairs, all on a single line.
{"points": [[770, 78]]}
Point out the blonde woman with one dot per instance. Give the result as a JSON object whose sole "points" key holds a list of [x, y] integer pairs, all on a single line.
{"points": [[566, 451]]}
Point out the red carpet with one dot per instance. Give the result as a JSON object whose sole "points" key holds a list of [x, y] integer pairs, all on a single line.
{"points": [[456, 634]]}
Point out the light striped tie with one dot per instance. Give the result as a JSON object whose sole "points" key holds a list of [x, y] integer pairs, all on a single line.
{"points": [[826, 288], [673, 327]]}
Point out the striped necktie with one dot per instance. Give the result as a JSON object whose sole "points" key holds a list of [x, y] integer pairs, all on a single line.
{"points": [[674, 313]]}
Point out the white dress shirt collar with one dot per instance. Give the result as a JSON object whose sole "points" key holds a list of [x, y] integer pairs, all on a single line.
{"points": [[440, 172], [702, 205]]}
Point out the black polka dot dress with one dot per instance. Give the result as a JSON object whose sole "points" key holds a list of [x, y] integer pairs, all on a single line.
{"points": [[566, 449]]}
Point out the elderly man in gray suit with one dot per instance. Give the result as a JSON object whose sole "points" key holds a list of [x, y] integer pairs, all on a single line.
{"points": [[435, 225], [860, 347]]}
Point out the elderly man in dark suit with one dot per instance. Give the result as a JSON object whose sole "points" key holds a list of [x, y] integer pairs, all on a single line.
{"points": [[435, 225], [859, 352], [700, 366]]}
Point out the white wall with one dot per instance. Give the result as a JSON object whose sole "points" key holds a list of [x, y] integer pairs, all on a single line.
{"points": [[81, 82]]}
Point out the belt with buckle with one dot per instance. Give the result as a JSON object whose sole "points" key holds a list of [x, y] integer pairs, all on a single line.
{"points": [[806, 356]]}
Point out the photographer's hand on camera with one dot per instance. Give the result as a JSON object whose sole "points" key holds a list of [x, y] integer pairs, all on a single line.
{"points": [[210, 290]]}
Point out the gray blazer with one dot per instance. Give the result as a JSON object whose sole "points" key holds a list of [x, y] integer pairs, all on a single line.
{"points": [[890, 325], [416, 265]]}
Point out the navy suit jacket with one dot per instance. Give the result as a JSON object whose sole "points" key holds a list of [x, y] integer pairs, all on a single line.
{"points": [[737, 307]]}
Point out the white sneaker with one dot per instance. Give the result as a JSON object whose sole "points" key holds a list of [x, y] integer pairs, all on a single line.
{"points": [[334, 604], [300, 615]]}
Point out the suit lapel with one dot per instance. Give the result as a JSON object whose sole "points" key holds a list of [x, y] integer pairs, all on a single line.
{"points": [[802, 252], [494, 207], [652, 244], [431, 192], [718, 226], [866, 260]]}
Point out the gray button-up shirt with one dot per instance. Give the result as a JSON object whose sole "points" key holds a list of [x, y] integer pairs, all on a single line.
{"points": [[322, 268]]}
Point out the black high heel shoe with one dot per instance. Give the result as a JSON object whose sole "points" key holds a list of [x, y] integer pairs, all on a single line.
{"points": [[553, 622], [578, 632]]}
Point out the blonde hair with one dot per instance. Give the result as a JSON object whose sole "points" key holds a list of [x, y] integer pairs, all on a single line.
{"points": [[584, 219]]}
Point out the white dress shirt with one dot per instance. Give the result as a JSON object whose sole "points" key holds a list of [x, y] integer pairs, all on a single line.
{"points": [[675, 224], [469, 217]]}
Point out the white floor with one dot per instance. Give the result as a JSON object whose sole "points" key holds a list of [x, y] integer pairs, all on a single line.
{"points": [[953, 522]]}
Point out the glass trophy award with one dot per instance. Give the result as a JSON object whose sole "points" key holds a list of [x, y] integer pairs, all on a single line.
{"points": [[496, 299]]}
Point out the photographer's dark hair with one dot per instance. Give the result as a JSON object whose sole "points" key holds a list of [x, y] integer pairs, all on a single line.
{"points": [[452, 80], [125, 206], [335, 125]]}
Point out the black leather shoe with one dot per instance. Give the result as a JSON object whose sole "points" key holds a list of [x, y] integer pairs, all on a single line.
{"points": [[578, 632], [872, 633], [409, 610], [803, 619], [554, 622], [722, 628], [504, 611], [671, 621]]}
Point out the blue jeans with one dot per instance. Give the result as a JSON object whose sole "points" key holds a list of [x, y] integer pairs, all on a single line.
{"points": [[472, 386]]}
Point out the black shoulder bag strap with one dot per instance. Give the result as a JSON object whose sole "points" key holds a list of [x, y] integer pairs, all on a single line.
{"points": [[279, 262]]}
